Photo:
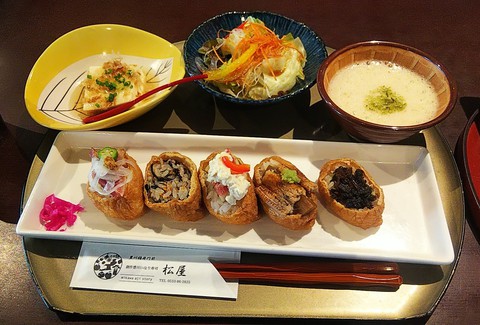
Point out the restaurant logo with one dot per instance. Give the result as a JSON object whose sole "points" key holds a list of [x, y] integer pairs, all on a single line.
{"points": [[108, 265]]}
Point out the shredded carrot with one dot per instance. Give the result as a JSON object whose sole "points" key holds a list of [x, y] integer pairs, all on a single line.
{"points": [[244, 60]]}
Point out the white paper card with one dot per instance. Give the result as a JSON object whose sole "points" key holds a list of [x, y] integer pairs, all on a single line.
{"points": [[150, 269]]}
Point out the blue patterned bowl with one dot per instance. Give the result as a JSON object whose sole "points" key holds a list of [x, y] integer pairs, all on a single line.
{"points": [[281, 25]]}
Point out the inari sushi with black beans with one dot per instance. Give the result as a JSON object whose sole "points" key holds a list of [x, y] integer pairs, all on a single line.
{"points": [[286, 195], [115, 184], [227, 188], [172, 187], [349, 192]]}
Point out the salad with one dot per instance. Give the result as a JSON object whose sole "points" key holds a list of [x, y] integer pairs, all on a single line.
{"points": [[252, 62]]}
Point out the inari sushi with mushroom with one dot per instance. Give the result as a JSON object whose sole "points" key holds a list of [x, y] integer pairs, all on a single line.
{"points": [[227, 188], [349, 192], [115, 184], [285, 194], [172, 187]]}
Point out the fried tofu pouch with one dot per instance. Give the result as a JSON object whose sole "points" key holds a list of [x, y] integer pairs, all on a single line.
{"points": [[228, 196], [172, 187], [358, 201], [115, 185], [286, 195]]}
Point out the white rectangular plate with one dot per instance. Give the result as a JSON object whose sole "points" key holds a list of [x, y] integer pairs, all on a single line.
{"points": [[414, 227]]}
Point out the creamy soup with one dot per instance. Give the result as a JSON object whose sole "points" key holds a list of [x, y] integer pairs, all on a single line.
{"points": [[351, 88]]}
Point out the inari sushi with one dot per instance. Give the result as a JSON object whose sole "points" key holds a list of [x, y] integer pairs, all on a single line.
{"points": [[115, 184], [172, 187], [285, 194], [350, 192], [227, 188]]}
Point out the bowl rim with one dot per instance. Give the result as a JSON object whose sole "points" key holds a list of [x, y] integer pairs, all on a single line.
{"points": [[178, 70], [416, 127], [272, 100]]}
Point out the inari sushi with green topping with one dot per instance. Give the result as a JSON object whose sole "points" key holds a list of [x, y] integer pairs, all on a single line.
{"points": [[227, 188], [172, 187], [115, 184], [286, 195]]}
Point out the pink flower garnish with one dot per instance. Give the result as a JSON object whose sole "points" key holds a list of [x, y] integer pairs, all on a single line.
{"points": [[58, 214]]}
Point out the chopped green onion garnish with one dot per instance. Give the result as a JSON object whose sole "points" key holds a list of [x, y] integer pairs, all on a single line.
{"points": [[108, 152], [111, 97]]}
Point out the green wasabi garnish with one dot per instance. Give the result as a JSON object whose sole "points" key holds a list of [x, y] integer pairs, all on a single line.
{"points": [[290, 176], [385, 101]]}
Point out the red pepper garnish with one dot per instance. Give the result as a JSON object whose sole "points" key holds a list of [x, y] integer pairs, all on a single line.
{"points": [[235, 168], [242, 24]]}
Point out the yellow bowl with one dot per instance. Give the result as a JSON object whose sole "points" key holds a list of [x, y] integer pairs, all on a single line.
{"points": [[53, 85]]}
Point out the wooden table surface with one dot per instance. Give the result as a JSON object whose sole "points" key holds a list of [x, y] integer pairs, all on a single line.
{"points": [[447, 30]]}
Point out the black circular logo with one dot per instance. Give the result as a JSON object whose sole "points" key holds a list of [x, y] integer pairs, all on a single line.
{"points": [[108, 266]]}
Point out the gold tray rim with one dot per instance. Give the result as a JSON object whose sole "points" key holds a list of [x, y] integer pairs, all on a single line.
{"points": [[417, 297]]}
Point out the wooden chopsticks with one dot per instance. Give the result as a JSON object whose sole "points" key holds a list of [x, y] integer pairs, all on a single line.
{"points": [[362, 274]]}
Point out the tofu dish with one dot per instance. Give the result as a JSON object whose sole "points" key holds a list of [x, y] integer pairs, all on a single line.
{"points": [[111, 84]]}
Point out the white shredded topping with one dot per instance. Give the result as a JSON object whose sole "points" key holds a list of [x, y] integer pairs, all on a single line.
{"points": [[219, 173], [114, 179]]}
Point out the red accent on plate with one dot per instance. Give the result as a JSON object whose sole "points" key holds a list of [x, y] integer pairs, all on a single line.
{"points": [[473, 155], [467, 155]]}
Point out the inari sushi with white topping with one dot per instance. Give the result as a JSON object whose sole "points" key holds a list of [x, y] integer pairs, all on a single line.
{"points": [[115, 184], [227, 188], [172, 187]]}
